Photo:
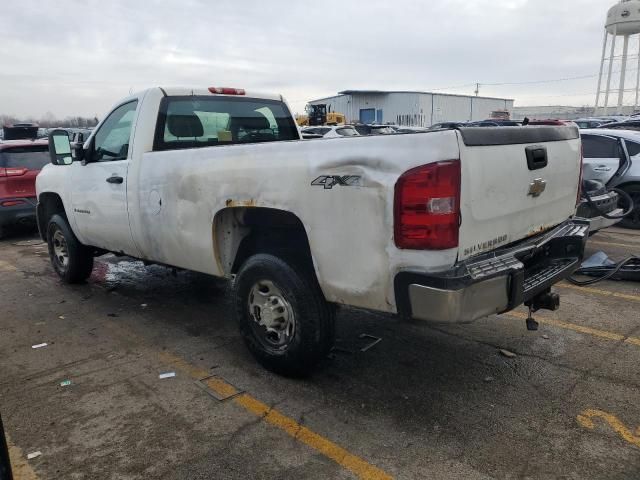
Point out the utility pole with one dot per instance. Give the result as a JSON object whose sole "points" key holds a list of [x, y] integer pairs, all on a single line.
{"points": [[477, 91]]}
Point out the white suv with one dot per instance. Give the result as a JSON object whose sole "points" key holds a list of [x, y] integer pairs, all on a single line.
{"points": [[329, 131]]}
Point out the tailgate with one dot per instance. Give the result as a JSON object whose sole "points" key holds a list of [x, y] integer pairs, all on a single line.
{"points": [[506, 196]]}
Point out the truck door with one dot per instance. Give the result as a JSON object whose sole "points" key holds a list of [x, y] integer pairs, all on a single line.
{"points": [[100, 187], [602, 156]]}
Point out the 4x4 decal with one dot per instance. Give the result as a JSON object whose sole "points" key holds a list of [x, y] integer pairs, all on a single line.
{"points": [[328, 181]]}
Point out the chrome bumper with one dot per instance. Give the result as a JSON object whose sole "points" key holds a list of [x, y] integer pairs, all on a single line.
{"points": [[598, 223], [496, 282]]}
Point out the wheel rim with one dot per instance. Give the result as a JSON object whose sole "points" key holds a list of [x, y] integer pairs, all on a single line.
{"points": [[272, 318], [60, 250]]}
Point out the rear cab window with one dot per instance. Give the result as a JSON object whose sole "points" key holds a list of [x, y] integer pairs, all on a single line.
{"points": [[33, 157], [203, 121]]}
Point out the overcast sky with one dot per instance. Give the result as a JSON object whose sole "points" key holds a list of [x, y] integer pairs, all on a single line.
{"points": [[78, 57]]}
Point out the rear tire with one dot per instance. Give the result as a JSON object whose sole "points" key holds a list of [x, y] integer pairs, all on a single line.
{"points": [[71, 260], [284, 319], [633, 219]]}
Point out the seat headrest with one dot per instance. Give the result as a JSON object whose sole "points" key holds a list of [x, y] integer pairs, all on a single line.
{"points": [[185, 126], [251, 123]]}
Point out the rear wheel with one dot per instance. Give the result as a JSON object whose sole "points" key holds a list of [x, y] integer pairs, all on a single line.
{"points": [[632, 220], [282, 314], [71, 260]]}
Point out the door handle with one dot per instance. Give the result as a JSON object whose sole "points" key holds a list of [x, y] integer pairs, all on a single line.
{"points": [[115, 179], [602, 168]]}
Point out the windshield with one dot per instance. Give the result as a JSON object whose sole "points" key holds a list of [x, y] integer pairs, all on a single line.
{"points": [[32, 157]]}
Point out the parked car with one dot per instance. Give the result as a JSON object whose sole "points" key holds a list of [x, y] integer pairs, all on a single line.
{"points": [[19, 131], [218, 181], [446, 125], [365, 129], [626, 125], [399, 129], [589, 123], [551, 122], [329, 131], [494, 123], [612, 156], [20, 163]]}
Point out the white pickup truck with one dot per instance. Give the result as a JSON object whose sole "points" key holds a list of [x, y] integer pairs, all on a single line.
{"points": [[446, 226]]}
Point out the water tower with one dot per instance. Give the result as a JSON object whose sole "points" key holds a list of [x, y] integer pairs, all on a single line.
{"points": [[623, 20]]}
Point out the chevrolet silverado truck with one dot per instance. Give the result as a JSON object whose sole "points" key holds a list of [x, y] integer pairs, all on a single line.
{"points": [[444, 226]]}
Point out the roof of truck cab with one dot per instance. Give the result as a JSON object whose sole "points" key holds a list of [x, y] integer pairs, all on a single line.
{"points": [[180, 91]]}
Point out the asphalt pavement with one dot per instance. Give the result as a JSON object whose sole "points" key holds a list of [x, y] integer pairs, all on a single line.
{"points": [[394, 400]]}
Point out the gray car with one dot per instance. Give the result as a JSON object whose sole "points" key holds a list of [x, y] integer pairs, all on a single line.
{"points": [[612, 156]]}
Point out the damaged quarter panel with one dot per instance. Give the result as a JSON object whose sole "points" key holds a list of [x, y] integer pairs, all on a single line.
{"points": [[349, 226], [185, 202]]}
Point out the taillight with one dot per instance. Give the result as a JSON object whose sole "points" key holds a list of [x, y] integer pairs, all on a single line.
{"points": [[427, 207], [227, 91]]}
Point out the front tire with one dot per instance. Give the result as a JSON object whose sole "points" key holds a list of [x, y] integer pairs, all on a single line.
{"points": [[71, 260], [284, 319]]}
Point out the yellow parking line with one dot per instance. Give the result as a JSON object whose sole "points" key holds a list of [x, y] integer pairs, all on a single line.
{"points": [[597, 291], [361, 468], [607, 244], [7, 267], [586, 420], [581, 329], [21, 469]]}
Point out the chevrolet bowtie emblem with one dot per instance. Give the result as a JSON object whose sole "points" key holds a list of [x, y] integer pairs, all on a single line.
{"points": [[537, 187]]}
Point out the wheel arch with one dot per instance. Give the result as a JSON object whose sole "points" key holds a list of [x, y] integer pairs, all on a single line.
{"points": [[239, 232], [49, 204]]}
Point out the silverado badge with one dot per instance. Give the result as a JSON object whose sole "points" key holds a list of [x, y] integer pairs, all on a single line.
{"points": [[537, 187]]}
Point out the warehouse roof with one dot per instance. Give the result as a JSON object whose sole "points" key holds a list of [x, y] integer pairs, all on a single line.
{"points": [[385, 92]]}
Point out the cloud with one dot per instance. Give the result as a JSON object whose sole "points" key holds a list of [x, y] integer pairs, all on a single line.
{"points": [[80, 56]]}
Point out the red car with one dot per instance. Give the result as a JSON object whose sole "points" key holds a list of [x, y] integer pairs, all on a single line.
{"points": [[20, 163]]}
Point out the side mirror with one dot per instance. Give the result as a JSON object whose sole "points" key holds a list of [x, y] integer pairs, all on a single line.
{"points": [[60, 147]]}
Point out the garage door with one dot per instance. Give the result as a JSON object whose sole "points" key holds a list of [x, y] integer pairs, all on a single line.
{"points": [[367, 115]]}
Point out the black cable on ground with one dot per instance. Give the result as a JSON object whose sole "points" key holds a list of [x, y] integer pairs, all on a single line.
{"points": [[604, 272], [622, 193]]}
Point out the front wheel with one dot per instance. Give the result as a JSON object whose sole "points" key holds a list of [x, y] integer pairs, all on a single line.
{"points": [[283, 316], [71, 260]]}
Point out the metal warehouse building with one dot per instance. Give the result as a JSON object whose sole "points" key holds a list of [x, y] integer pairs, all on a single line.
{"points": [[419, 109]]}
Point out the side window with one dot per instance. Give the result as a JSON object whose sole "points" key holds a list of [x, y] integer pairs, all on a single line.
{"points": [[112, 139], [632, 147], [599, 147]]}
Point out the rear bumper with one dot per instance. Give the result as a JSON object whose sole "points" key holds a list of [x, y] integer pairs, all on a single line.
{"points": [[25, 211], [598, 223], [495, 282], [607, 203]]}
